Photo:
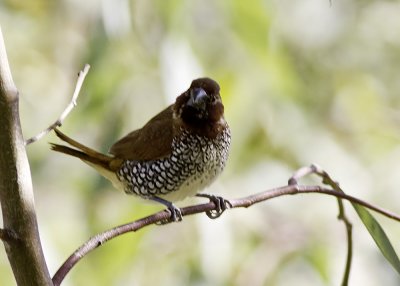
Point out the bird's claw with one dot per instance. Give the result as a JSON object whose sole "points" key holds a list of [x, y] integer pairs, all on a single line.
{"points": [[175, 215], [220, 203], [175, 212]]}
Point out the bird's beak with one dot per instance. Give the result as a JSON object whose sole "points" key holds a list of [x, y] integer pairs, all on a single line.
{"points": [[198, 98]]}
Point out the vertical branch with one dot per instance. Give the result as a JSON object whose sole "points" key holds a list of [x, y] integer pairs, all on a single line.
{"points": [[326, 179], [21, 235], [349, 233]]}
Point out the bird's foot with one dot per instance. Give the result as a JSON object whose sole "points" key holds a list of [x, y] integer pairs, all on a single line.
{"points": [[220, 203], [176, 214]]}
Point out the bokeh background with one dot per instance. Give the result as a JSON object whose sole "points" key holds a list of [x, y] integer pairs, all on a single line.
{"points": [[302, 81]]}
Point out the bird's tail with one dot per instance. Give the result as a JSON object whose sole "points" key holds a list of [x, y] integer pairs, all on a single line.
{"points": [[86, 154]]}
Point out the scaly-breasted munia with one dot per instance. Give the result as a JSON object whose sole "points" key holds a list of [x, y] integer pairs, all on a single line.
{"points": [[176, 154]]}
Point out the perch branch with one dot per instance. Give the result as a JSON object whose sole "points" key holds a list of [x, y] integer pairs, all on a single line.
{"points": [[163, 216], [81, 77]]}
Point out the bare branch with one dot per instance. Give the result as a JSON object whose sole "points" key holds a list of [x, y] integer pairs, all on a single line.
{"points": [[81, 77], [163, 216]]}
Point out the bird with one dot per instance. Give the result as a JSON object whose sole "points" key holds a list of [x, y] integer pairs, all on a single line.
{"points": [[176, 154]]}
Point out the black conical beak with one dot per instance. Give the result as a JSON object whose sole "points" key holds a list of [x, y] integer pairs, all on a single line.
{"points": [[198, 98]]}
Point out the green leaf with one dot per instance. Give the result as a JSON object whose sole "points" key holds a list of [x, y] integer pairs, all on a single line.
{"points": [[379, 236]]}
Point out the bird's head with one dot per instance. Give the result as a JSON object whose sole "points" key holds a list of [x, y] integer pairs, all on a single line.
{"points": [[200, 107]]}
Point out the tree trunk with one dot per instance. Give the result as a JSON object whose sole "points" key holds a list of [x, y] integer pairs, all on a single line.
{"points": [[20, 230]]}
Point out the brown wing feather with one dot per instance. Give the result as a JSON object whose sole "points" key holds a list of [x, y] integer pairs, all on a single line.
{"points": [[153, 141]]}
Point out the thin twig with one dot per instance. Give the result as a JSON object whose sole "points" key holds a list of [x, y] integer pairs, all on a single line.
{"points": [[349, 234], [326, 179], [81, 77], [352, 199], [163, 216]]}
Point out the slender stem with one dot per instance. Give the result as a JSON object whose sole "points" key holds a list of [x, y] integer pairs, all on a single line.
{"points": [[349, 235], [326, 179]]}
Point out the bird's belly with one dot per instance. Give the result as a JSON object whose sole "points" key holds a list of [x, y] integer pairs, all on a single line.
{"points": [[192, 185], [189, 169], [167, 181]]}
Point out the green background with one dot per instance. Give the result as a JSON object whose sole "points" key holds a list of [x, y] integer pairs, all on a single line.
{"points": [[302, 82]]}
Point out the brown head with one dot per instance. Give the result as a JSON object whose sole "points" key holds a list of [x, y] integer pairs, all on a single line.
{"points": [[200, 108]]}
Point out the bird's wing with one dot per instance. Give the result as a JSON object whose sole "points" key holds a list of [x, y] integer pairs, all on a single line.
{"points": [[153, 141]]}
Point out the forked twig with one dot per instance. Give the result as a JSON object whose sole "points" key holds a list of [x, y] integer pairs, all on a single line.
{"points": [[326, 179]]}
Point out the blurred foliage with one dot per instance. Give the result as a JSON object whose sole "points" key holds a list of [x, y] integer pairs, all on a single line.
{"points": [[302, 81]]}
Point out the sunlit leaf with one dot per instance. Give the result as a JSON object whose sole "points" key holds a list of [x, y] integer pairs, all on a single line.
{"points": [[379, 236]]}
